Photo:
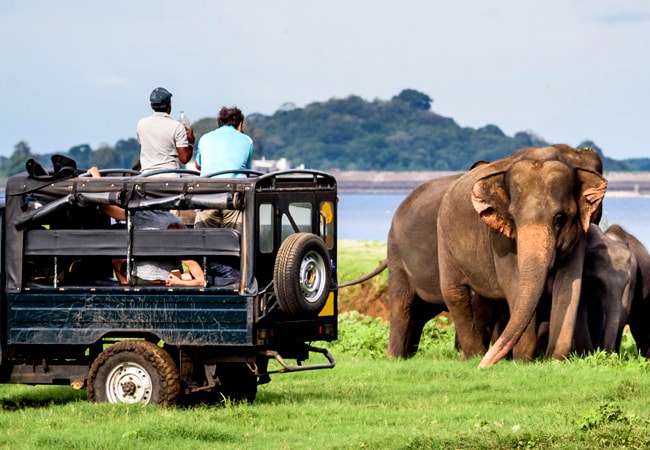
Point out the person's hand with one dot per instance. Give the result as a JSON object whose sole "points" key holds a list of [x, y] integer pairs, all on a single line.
{"points": [[94, 172], [172, 280]]}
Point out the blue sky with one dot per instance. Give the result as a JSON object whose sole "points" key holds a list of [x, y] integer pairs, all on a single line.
{"points": [[77, 72]]}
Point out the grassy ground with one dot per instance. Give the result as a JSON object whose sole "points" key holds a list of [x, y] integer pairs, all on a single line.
{"points": [[359, 257], [367, 401]]}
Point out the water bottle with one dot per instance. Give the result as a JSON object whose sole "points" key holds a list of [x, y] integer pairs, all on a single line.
{"points": [[184, 119]]}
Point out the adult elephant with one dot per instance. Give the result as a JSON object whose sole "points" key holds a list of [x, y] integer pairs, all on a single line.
{"points": [[504, 230]]}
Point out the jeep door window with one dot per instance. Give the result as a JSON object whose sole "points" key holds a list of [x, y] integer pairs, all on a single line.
{"points": [[266, 228], [297, 220]]}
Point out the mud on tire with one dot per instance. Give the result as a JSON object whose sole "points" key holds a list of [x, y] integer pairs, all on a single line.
{"points": [[134, 372]]}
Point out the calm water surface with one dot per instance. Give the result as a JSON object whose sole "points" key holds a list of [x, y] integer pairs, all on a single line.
{"points": [[368, 216]]}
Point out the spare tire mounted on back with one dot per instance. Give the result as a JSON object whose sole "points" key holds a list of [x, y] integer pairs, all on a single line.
{"points": [[302, 274]]}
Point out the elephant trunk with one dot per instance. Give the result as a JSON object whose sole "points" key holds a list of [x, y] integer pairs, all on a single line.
{"points": [[535, 256], [565, 301]]}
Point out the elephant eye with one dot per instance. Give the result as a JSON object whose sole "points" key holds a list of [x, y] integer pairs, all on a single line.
{"points": [[559, 220]]}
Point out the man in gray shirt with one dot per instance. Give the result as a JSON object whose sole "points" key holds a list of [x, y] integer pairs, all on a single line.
{"points": [[165, 143]]}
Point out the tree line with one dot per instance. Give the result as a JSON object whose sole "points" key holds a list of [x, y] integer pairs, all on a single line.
{"points": [[399, 134]]}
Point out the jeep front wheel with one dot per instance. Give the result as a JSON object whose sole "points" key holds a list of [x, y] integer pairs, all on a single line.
{"points": [[134, 372], [302, 275]]}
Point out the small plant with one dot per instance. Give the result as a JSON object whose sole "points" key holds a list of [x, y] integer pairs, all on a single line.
{"points": [[604, 414], [361, 335]]}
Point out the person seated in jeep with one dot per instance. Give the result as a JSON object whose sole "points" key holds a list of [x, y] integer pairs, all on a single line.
{"points": [[160, 271], [195, 275]]}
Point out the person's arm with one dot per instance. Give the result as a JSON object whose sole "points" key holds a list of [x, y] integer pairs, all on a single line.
{"points": [[117, 268], [113, 211], [195, 271], [185, 153]]}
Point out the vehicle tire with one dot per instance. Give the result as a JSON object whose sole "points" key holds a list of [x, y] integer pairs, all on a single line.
{"points": [[134, 372], [237, 382], [302, 274]]}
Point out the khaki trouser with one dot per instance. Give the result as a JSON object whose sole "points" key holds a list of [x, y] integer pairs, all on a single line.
{"points": [[218, 218]]}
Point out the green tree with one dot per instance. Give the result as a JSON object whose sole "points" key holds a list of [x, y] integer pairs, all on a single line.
{"points": [[16, 162], [128, 151], [105, 158], [417, 100], [80, 153]]}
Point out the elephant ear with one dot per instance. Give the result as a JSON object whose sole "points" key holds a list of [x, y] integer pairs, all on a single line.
{"points": [[491, 202], [592, 192]]}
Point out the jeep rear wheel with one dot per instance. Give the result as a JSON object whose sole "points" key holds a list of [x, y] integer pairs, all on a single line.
{"points": [[134, 372], [302, 275]]}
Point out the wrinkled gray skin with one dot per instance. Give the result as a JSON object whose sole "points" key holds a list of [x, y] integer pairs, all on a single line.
{"points": [[608, 283], [504, 230], [639, 316], [413, 276], [414, 282], [606, 295]]}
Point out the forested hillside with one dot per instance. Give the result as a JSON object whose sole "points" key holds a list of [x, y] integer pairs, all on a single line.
{"points": [[400, 134]]}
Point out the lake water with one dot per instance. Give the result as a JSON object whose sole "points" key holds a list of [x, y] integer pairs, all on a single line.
{"points": [[368, 216]]}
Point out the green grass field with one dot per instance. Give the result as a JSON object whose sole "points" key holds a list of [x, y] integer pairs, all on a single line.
{"points": [[430, 401], [367, 401]]}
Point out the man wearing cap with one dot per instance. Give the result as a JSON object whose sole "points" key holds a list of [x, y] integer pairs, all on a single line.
{"points": [[165, 143]]}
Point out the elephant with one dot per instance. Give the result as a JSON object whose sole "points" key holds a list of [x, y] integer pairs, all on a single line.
{"points": [[608, 283], [412, 250], [504, 231], [639, 313]]}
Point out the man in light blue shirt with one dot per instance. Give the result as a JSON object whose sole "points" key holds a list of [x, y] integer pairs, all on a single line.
{"points": [[226, 148]]}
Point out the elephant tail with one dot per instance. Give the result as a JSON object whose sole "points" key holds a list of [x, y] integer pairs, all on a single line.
{"points": [[380, 268]]}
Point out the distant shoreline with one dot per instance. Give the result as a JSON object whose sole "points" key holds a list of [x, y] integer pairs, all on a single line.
{"points": [[620, 184]]}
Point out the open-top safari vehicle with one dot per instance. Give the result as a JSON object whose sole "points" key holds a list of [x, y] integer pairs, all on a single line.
{"points": [[65, 319]]}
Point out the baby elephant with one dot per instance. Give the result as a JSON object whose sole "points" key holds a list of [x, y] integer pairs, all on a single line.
{"points": [[638, 301]]}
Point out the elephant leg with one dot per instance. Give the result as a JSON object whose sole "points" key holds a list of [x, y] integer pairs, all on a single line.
{"points": [[421, 313], [524, 349], [638, 322], [405, 328], [490, 317], [542, 336], [612, 331], [470, 337], [589, 321]]}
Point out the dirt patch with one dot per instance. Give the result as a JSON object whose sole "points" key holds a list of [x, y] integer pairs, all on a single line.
{"points": [[369, 298]]}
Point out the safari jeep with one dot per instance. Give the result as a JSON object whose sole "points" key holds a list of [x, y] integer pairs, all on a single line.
{"points": [[66, 320]]}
